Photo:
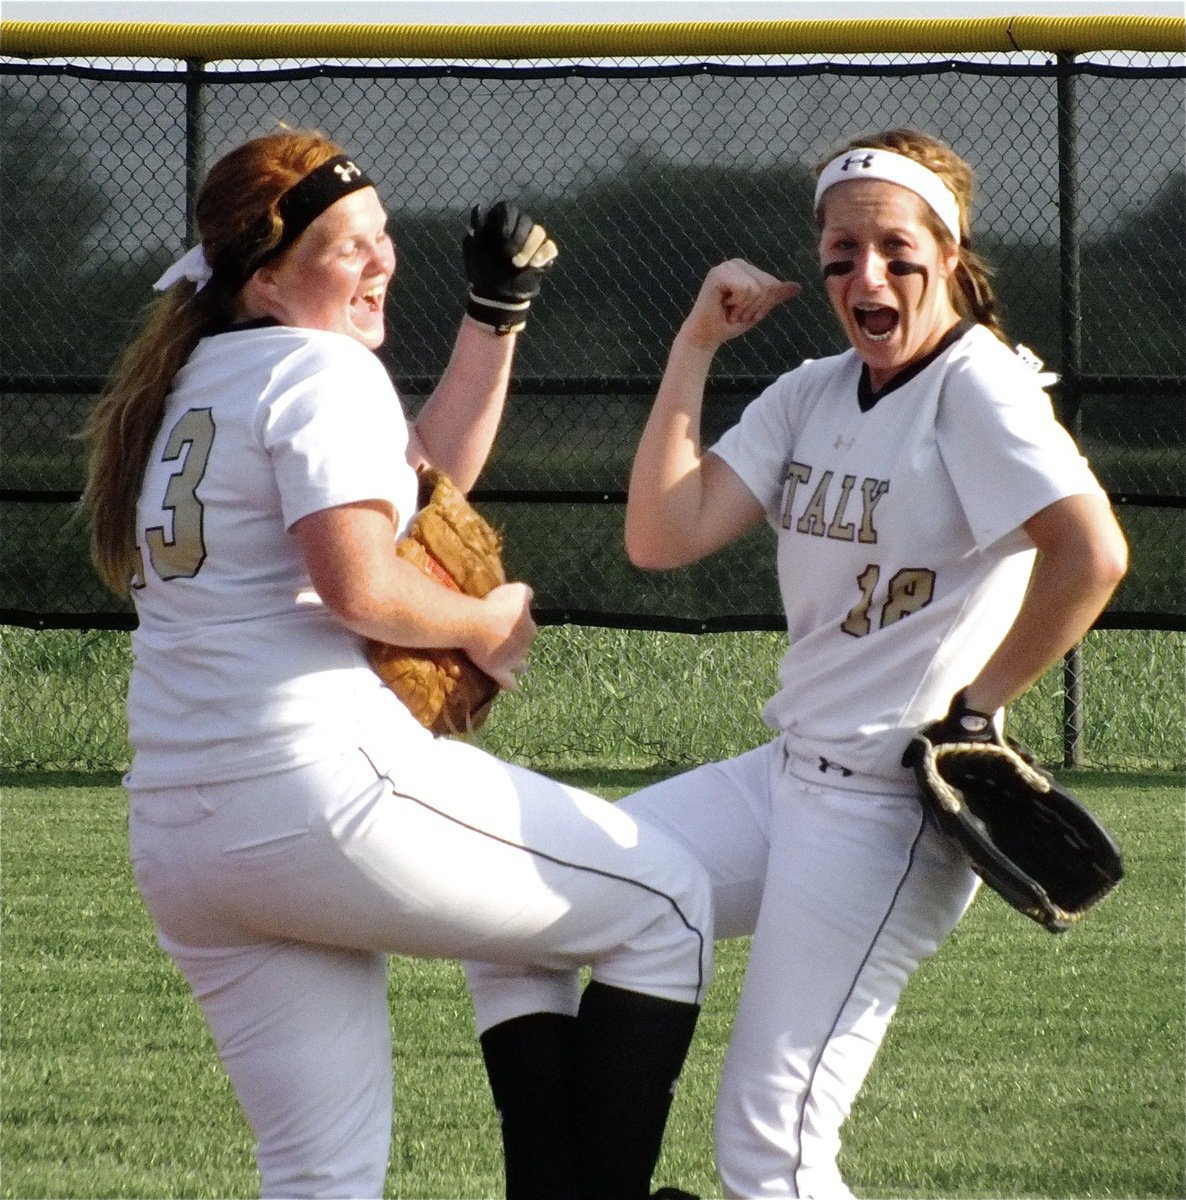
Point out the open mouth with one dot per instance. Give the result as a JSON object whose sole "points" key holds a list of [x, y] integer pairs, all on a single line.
{"points": [[875, 321], [372, 300]]}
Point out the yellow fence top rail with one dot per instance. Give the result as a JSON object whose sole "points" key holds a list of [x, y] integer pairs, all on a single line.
{"points": [[208, 43]]}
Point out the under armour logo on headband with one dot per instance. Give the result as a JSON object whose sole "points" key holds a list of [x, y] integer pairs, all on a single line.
{"points": [[306, 200], [891, 167], [298, 207]]}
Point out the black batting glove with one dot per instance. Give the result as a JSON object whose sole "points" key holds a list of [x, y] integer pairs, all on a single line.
{"points": [[961, 724], [506, 254]]}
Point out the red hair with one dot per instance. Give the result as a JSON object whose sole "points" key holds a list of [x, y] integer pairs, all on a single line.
{"points": [[239, 223]]}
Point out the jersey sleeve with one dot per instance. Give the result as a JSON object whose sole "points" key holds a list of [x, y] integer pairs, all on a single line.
{"points": [[758, 446], [1007, 455], [335, 432]]}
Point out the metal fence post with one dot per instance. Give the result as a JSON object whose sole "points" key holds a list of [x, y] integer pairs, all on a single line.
{"points": [[1070, 295], [195, 142]]}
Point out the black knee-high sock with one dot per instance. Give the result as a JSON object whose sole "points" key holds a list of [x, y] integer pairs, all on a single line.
{"points": [[631, 1048], [530, 1062]]}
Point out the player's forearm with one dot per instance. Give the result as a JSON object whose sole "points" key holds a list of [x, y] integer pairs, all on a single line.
{"points": [[403, 607], [416, 617], [350, 553], [1073, 580], [393, 601], [666, 491], [460, 420]]}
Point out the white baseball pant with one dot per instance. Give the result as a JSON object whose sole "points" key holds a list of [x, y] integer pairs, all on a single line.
{"points": [[845, 892], [279, 898]]}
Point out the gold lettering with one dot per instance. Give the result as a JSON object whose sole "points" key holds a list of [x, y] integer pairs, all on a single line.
{"points": [[842, 532], [797, 473], [857, 623], [910, 589], [178, 552], [812, 520], [872, 491]]}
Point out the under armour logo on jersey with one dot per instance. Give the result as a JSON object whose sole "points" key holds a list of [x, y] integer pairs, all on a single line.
{"points": [[842, 443], [825, 765], [347, 171], [864, 161]]}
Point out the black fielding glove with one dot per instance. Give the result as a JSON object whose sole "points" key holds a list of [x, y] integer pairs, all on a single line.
{"points": [[961, 724], [506, 254], [1033, 842]]}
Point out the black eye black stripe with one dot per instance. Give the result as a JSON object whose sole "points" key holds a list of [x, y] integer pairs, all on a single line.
{"points": [[897, 267]]}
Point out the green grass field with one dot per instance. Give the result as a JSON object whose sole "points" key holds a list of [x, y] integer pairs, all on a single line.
{"points": [[613, 699], [1020, 1064]]}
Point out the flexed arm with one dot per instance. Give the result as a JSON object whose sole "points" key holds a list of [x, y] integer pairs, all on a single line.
{"points": [[683, 504]]}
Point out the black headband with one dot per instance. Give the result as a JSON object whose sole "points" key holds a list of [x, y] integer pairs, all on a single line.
{"points": [[299, 207], [307, 199]]}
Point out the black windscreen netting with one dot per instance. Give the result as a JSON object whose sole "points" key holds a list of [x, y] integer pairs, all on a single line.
{"points": [[647, 175]]}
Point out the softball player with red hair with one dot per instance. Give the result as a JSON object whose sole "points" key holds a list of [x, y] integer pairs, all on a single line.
{"points": [[291, 823]]}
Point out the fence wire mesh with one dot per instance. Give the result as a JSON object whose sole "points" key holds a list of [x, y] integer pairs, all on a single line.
{"points": [[648, 172]]}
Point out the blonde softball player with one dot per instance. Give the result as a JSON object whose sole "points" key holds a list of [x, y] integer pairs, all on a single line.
{"points": [[291, 823], [911, 481]]}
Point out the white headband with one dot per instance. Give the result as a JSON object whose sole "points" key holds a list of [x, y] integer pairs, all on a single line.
{"points": [[865, 163], [192, 265]]}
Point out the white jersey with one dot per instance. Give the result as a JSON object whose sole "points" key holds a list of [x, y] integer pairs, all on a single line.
{"points": [[901, 558], [239, 668]]}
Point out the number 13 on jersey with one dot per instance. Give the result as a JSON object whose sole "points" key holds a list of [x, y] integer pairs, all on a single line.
{"points": [[179, 554]]}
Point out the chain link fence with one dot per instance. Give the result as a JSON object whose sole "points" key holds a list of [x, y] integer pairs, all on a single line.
{"points": [[648, 172]]}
